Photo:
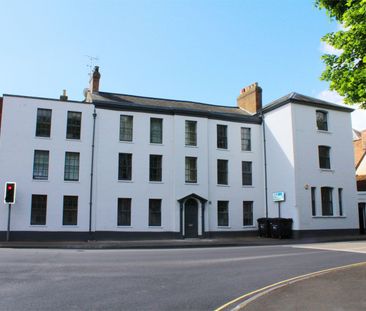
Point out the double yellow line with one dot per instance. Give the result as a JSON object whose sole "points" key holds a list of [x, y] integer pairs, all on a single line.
{"points": [[288, 281]]}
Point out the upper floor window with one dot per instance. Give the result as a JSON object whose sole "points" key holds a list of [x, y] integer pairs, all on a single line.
{"points": [[246, 139], [40, 164], [191, 133], [191, 170], [322, 120], [73, 125], [124, 212], [70, 212], [221, 136], [324, 157], [126, 128], [223, 213], [125, 166], [246, 170], [247, 213], [155, 167], [38, 209], [222, 172], [156, 130], [43, 127], [327, 201], [72, 160]]}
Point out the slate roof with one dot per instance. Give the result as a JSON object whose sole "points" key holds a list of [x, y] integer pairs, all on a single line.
{"points": [[169, 106], [304, 100]]}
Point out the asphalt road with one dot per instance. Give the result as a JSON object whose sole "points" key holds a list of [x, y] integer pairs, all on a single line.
{"points": [[168, 279]]}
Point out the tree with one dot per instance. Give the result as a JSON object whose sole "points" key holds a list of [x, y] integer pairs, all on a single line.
{"points": [[346, 71]]}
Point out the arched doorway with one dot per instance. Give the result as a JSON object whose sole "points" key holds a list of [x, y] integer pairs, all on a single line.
{"points": [[191, 219]]}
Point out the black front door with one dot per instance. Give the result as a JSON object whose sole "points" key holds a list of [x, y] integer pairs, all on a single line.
{"points": [[191, 219], [362, 217]]}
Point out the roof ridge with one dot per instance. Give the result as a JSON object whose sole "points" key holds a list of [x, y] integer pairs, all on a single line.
{"points": [[167, 99]]}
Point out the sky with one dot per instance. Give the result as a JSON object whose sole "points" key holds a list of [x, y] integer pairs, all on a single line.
{"points": [[198, 50]]}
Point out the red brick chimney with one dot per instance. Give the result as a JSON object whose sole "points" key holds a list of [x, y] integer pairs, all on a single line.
{"points": [[250, 98], [94, 81]]}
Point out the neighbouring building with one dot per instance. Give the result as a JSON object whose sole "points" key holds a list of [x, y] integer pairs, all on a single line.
{"points": [[119, 166], [359, 145]]}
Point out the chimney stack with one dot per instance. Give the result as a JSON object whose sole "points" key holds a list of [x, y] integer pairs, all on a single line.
{"points": [[363, 139], [64, 96], [250, 98], [94, 80]]}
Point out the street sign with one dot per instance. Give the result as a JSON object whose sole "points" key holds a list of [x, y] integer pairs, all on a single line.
{"points": [[278, 196]]}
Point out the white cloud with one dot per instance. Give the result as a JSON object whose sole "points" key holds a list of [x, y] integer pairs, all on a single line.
{"points": [[328, 49], [331, 96], [358, 116]]}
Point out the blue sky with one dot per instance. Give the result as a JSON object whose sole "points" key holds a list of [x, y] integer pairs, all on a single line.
{"points": [[200, 50]]}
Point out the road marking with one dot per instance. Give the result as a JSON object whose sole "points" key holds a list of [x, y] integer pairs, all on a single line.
{"points": [[354, 247], [270, 287]]}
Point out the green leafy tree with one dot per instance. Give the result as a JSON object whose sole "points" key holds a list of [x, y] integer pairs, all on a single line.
{"points": [[346, 70]]}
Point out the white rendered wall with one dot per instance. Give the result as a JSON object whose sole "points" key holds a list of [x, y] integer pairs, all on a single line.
{"points": [[281, 162], [17, 145], [308, 174]]}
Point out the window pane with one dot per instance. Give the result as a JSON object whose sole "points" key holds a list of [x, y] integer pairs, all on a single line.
{"points": [[222, 213], [222, 172], [246, 173], [313, 201], [324, 158], [247, 213], [191, 170], [70, 214], [327, 201], [124, 212], [322, 120], [155, 167], [73, 125], [191, 133], [221, 136], [43, 127], [156, 131], [38, 209], [155, 212], [340, 199], [126, 128], [40, 164], [72, 166], [125, 166], [245, 139]]}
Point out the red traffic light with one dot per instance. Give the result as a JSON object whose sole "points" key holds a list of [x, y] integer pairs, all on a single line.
{"points": [[9, 195]]}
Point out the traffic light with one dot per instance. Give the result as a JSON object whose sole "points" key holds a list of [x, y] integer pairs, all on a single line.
{"points": [[10, 192]]}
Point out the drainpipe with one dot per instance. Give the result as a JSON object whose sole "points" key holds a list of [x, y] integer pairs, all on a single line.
{"points": [[265, 161], [91, 178]]}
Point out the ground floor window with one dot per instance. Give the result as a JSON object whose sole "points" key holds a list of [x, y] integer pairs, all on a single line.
{"points": [[38, 209], [70, 213], [327, 201], [313, 201], [124, 212], [223, 213], [155, 212], [247, 213]]}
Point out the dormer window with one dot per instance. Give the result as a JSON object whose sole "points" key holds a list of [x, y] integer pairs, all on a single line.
{"points": [[322, 120]]}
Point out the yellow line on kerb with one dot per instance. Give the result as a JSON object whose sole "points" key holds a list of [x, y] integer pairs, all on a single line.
{"points": [[288, 281]]}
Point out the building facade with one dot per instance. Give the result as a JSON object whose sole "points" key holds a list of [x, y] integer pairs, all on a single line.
{"points": [[118, 166]]}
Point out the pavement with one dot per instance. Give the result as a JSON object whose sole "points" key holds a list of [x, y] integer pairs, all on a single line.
{"points": [[339, 290], [176, 243]]}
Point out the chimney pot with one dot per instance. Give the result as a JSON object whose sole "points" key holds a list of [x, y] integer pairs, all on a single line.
{"points": [[94, 81], [64, 96]]}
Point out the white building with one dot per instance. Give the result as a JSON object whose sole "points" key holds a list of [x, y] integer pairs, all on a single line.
{"points": [[119, 166]]}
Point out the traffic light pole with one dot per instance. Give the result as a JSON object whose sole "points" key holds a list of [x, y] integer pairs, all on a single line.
{"points": [[8, 232]]}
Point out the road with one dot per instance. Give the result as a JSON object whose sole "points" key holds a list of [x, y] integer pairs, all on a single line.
{"points": [[167, 279]]}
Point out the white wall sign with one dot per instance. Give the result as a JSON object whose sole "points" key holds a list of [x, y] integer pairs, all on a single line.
{"points": [[278, 196]]}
